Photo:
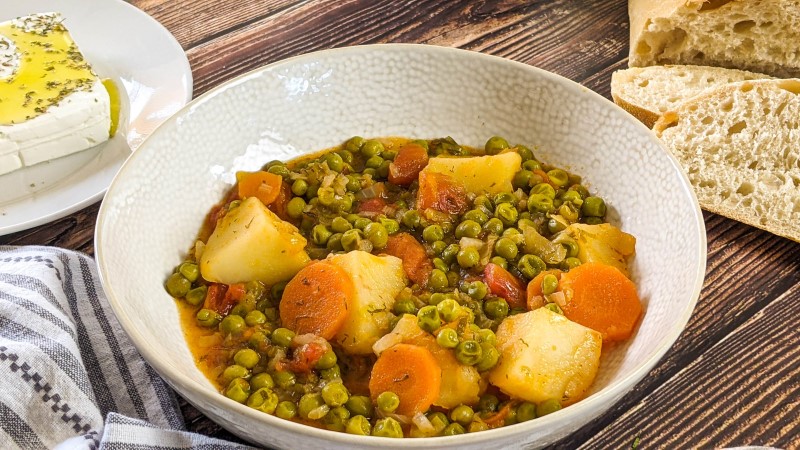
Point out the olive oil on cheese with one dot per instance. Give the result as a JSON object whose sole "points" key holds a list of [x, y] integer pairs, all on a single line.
{"points": [[50, 68]]}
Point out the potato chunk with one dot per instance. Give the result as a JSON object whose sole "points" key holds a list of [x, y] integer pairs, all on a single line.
{"points": [[460, 384], [377, 281], [252, 243], [479, 174], [545, 356], [603, 243]]}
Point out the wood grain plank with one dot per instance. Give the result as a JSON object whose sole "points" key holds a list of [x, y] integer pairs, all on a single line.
{"points": [[748, 380], [75, 232]]}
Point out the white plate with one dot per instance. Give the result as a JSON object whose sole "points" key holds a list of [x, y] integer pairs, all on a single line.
{"points": [[154, 79]]}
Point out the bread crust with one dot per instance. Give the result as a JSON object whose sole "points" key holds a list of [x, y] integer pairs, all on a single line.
{"points": [[640, 13]]}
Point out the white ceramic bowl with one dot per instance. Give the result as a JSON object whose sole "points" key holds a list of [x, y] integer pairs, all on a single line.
{"points": [[154, 207]]}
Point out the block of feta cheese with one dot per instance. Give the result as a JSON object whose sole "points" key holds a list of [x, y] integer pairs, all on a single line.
{"points": [[52, 104]]}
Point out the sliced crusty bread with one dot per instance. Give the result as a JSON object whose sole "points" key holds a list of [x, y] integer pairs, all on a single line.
{"points": [[740, 145], [757, 35], [649, 92]]}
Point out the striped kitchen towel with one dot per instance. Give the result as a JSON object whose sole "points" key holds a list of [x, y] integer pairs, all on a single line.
{"points": [[71, 378]]}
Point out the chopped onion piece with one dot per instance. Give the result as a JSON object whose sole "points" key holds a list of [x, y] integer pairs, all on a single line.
{"points": [[422, 422], [558, 298], [467, 242], [327, 181], [375, 190], [318, 412], [386, 342]]}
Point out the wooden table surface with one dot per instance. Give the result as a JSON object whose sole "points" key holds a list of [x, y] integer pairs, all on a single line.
{"points": [[733, 377]]}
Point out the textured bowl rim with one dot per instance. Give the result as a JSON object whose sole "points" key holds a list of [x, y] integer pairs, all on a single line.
{"points": [[599, 401]]}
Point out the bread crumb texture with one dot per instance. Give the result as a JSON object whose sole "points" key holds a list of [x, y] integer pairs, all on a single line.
{"points": [[756, 35], [740, 146]]}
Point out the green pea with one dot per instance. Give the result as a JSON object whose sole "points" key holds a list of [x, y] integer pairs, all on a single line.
{"points": [[234, 204], [189, 270], [554, 225], [539, 203], [453, 429], [335, 162], [592, 220], [547, 407], [358, 425], [593, 207], [373, 162], [573, 197], [507, 213], [335, 394], [468, 257], [450, 253], [196, 296], [558, 177], [310, 406], [326, 195], [544, 189], [524, 152], [404, 306], [411, 219], [376, 234], [283, 337], [312, 191], [295, 207], [372, 148], [569, 212], [522, 179], [272, 314], [428, 318], [448, 309], [437, 247], [468, 352], [354, 144], [484, 203], [370, 171], [494, 226], [488, 403], [531, 165], [383, 169], [320, 234], [254, 318], [530, 266], [299, 187], [177, 285], [335, 242], [570, 263], [387, 401], [350, 240], [334, 373], [232, 324], [340, 224], [476, 215], [387, 427], [279, 170], [433, 233], [327, 360], [495, 145], [506, 248], [262, 380], [345, 204], [263, 400], [447, 338], [500, 261], [353, 183], [359, 405], [486, 335], [526, 411], [462, 414], [208, 318], [477, 425], [238, 390], [246, 357], [549, 284], [391, 225], [468, 228], [346, 156], [286, 410], [489, 358], [438, 280], [239, 310], [285, 379], [234, 371], [436, 298], [496, 308]]}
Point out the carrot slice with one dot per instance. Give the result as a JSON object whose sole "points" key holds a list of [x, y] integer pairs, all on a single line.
{"points": [[409, 162], [317, 300], [416, 264], [602, 298], [412, 373], [534, 291], [279, 205], [503, 284], [262, 185], [442, 193]]}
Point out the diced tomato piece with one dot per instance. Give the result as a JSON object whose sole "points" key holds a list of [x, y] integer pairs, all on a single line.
{"points": [[442, 193], [304, 359], [279, 205], [372, 205], [502, 284], [262, 185], [222, 297], [410, 160], [416, 264]]}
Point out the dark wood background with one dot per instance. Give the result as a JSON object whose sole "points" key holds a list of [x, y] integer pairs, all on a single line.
{"points": [[732, 379]]}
